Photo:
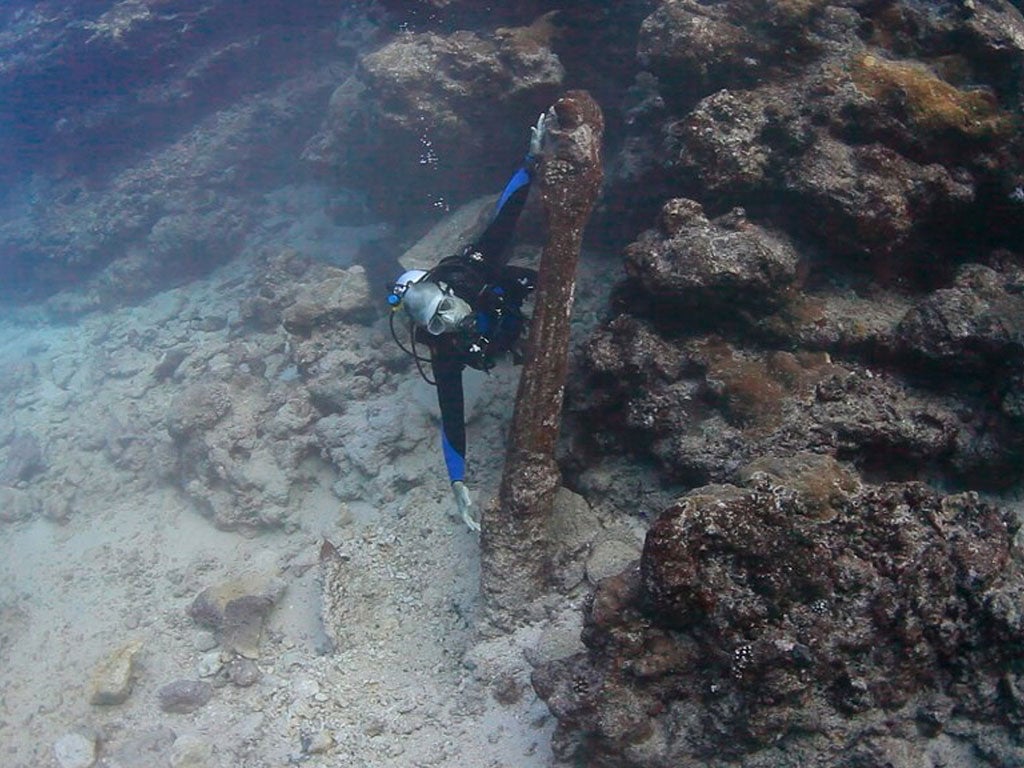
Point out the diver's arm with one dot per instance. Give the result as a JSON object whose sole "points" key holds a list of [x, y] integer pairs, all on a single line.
{"points": [[492, 245], [448, 376]]}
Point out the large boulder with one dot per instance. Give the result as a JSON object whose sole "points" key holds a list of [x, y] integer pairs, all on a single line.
{"points": [[698, 263], [427, 103], [760, 630], [977, 324]]}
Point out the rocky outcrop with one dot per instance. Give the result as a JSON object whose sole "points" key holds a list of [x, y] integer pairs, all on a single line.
{"points": [[161, 127], [977, 324], [855, 322], [698, 48], [730, 262], [703, 408], [761, 621], [876, 126], [435, 106], [866, 179]]}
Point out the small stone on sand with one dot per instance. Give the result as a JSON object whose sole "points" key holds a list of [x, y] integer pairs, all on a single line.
{"points": [[112, 681], [73, 750]]}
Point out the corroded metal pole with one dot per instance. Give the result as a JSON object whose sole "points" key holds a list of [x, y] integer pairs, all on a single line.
{"points": [[514, 553]]}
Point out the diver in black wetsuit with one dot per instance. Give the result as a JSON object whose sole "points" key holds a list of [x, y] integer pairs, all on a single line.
{"points": [[467, 311]]}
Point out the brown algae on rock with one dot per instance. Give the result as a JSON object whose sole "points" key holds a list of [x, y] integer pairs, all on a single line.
{"points": [[931, 103]]}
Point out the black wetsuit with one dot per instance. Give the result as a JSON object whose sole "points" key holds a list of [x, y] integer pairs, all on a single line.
{"points": [[480, 276]]}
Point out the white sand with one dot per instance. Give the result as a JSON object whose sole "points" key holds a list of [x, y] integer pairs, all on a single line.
{"points": [[117, 554]]}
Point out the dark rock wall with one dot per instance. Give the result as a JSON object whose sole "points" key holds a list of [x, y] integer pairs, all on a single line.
{"points": [[143, 134], [856, 292], [82, 81], [821, 309]]}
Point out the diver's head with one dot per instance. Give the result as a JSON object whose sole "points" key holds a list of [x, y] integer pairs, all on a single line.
{"points": [[399, 287], [449, 315], [428, 304], [434, 307], [420, 301]]}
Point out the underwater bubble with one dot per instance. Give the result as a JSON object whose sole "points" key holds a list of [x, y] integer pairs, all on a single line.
{"points": [[428, 156]]}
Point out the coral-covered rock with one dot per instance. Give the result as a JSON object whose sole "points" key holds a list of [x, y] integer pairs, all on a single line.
{"points": [[884, 154], [697, 47], [881, 420], [703, 408], [197, 409], [870, 200], [840, 322], [755, 626], [908, 106], [721, 142], [819, 484], [977, 324], [886, 143], [23, 460], [694, 262]]}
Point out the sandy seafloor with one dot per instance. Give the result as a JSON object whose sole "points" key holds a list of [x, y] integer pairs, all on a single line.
{"points": [[116, 556]]}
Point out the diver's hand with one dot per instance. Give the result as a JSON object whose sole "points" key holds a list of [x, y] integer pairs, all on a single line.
{"points": [[465, 505], [537, 134]]}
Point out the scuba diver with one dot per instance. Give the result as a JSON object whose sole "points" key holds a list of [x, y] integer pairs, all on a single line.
{"points": [[467, 311]]}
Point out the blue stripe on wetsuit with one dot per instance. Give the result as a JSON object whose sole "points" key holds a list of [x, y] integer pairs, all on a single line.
{"points": [[519, 179], [455, 462]]}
